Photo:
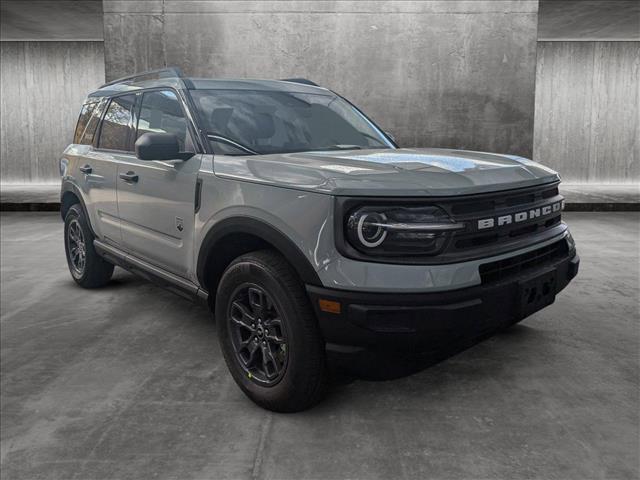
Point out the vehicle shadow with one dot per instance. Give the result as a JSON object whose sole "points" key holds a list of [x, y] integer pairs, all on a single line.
{"points": [[374, 366]]}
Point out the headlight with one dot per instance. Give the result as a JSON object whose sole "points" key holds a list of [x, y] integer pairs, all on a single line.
{"points": [[393, 230]]}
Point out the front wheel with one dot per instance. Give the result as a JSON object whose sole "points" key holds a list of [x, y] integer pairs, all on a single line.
{"points": [[87, 268], [268, 333]]}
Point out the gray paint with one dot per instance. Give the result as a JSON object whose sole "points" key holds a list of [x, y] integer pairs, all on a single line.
{"points": [[43, 86], [588, 110], [442, 74], [50, 20], [585, 20], [402, 172]]}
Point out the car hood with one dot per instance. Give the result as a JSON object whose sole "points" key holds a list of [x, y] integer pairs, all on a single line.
{"points": [[388, 172]]}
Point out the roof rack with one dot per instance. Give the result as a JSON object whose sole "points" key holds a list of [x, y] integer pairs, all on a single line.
{"points": [[303, 81], [168, 72]]}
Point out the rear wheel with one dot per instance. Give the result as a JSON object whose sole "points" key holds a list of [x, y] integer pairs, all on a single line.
{"points": [[268, 333], [87, 268]]}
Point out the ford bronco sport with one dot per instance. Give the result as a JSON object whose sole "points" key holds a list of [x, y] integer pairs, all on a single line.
{"points": [[303, 224]]}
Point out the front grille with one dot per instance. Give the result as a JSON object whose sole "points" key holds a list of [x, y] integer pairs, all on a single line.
{"points": [[502, 269], [495, 205]]}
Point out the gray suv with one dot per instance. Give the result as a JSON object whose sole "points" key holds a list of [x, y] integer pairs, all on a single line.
{"points": [[303, 225]]}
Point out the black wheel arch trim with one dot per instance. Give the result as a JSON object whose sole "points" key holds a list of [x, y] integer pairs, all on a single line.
{"points": [[268, 233], [70, 187]]}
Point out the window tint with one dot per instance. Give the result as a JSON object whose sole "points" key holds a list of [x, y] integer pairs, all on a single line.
{"points": [[161, 112], [116, 126], [88, 121], [242, 121], [83, 120]]}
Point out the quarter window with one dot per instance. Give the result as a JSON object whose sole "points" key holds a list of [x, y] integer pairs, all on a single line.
{"points": [[161, 112], [116, 130], [88, 121]]}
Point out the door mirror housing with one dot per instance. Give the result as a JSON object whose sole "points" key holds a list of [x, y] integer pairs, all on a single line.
{"points": [[160, 146]]}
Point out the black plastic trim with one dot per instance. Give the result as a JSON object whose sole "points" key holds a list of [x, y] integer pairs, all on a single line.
{"points": [[198, 196], [262, 230], [68, 186], [409, 321]]}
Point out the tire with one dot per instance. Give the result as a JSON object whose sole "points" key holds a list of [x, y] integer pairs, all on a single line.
{"points": [[95, 271], [301, 380]]}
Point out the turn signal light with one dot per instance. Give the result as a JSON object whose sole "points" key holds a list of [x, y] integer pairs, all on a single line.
{"points": [[329, 306]]}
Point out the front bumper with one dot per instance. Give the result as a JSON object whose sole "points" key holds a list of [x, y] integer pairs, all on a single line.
{"points": [[413, 321]]}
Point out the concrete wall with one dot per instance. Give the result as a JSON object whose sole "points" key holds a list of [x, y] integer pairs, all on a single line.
{"points": [[51, 20], [440, 73], [587, 122], [43, 86]]}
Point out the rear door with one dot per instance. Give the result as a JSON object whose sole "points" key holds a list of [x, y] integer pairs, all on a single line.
{"points": [[156, 199], [96, 173]]}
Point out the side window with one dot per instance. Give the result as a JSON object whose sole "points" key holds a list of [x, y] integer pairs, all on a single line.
{"points": [[116, 130], [88, 121], [83, 121], [161, 112]]}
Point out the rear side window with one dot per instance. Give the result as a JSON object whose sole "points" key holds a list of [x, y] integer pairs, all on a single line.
{"points": [[161, 112], [117, 126], [88, 121]]}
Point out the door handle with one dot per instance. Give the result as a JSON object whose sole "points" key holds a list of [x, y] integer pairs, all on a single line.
{"points": [[86, 169], [130, 177]]}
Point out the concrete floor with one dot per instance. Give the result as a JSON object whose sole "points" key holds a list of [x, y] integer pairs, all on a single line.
{"points": [[129, 382]]}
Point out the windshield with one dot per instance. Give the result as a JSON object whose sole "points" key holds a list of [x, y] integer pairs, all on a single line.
{"points": [[244, 122]]}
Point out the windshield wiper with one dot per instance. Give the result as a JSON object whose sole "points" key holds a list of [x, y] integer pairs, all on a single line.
{"points": [[340, 147], [228, 141]]}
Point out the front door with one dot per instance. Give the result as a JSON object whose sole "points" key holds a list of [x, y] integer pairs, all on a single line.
{"points": [[97, 174], [156, 199]]}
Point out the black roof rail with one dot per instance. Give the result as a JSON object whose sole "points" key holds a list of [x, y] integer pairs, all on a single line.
{"points": [[167, 72], [303, 81]]}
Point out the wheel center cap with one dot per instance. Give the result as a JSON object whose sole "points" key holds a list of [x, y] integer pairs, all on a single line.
{"points": [[260, 331]]}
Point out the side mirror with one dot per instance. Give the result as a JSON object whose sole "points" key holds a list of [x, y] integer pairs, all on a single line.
{"points": [[160, 146]]}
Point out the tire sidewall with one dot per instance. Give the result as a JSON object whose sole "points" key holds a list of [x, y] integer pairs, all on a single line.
{"points": [[297, 342], [75, 213], [96, 270]]}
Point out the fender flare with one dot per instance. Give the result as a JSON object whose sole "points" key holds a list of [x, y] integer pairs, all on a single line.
{"points": [[68, 186], [262, 230]]}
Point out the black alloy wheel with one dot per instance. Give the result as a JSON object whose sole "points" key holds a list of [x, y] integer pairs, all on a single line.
{"points": [[258, 335]]}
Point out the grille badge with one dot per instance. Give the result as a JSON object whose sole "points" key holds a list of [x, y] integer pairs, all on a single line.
{"points": [[502, 220]]}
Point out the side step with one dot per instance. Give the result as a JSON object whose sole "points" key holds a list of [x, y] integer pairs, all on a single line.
{"points": [[150, 272]]}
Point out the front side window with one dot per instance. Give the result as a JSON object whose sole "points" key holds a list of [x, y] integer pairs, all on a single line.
{"points": [[241, 122], [88, 121], [116, 130], [161, 112]]}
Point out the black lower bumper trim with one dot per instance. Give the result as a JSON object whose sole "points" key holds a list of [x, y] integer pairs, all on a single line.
{"points": [[411, 321]]}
